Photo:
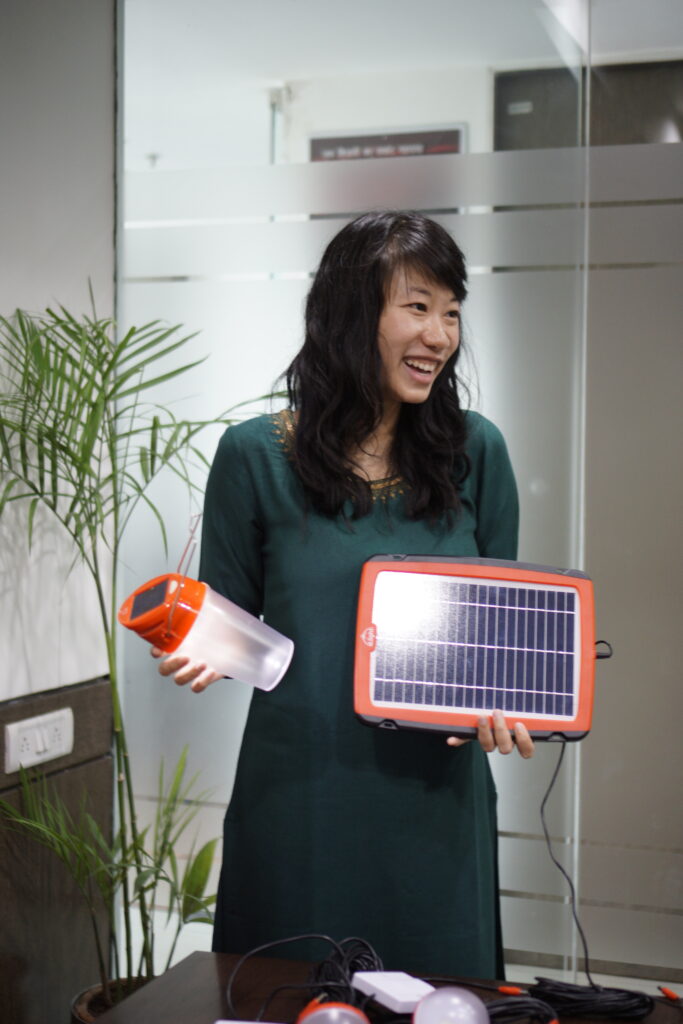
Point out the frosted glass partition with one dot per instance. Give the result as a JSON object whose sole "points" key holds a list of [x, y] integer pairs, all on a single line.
{"points": [[229, 253], [631, 810], [572, 326]]}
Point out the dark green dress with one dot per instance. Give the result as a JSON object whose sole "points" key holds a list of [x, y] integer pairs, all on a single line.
{"points": [[336, 827]]}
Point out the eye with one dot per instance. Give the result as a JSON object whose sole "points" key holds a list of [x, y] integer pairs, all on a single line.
{"points": [[453, 314], [420, 306]]}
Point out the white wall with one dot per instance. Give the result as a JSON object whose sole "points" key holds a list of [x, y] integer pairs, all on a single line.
{"points": [[57, 82]]}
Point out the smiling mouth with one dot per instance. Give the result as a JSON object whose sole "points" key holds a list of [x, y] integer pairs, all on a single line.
{"points": [[421, 366]]}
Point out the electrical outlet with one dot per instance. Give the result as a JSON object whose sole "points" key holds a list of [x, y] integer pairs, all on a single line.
{"points": [[38, 739]]}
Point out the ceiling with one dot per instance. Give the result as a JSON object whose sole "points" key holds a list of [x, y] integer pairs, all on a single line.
{"points": [[208, 41]]}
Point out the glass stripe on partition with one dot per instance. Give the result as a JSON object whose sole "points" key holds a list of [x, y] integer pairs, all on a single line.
{"points": [[531, 178], [510, 240], [528, 178]]}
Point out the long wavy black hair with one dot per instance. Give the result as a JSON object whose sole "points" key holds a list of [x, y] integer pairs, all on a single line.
{"points": [[334, 381]]}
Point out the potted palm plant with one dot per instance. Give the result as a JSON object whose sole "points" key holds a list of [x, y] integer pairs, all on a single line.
{"points": [[81, 436]]}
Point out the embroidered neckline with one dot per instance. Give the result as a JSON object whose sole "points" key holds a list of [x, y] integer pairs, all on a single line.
{"points": [[283, 424]]}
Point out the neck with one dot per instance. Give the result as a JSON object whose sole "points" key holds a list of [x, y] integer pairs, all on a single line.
{"points": [[373, 457]]}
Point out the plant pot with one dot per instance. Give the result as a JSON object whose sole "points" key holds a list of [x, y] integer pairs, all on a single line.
{"points": [[90, 1004]]}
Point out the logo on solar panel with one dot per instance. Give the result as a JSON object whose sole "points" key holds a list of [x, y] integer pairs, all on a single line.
{"points": [[369, 637], [455, 638]]}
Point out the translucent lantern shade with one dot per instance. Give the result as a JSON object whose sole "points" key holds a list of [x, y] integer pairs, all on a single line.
{"points": [[450, 1005]]}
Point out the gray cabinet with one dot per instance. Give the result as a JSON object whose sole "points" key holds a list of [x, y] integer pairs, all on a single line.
{"points": [[47, 952]]}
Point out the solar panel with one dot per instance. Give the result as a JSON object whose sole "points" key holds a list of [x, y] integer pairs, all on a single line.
{"points": [[440, 641]]}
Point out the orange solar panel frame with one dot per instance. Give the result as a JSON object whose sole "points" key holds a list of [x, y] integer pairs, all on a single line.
{"points": [[373, 635]]}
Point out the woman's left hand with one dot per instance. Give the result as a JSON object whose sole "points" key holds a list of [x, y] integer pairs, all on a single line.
{"points": [[494, 734]]}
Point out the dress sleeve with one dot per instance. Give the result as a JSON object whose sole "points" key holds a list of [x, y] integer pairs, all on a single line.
{"points": [[495, 491], [232, 532]]}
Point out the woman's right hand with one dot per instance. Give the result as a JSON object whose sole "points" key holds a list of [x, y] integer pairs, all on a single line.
{"points": [[184, 671]]}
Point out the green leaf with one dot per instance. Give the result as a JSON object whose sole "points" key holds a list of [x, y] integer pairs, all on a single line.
{"points": [[178, 775], [31, 514], [143, 879], [159, 518], [196, 879], [4, 444], [7, 491], [147, 341], [203, 916], [144, 385], [23, 453], [153, 445], [145, 465]]}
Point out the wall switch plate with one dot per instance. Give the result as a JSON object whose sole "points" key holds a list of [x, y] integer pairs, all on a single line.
{"points": [[35, 740]]}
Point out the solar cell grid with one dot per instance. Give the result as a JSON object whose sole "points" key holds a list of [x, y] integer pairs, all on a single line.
{"points": [[479, 645]]}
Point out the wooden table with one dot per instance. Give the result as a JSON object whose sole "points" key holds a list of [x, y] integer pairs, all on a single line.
{"points": [[193, 992]]}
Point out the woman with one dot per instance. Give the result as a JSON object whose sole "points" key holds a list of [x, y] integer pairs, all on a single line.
{"points": [[335, 827]]}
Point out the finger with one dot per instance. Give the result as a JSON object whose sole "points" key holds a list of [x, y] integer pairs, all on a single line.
{"points": [[190, 673], [525, 744], [501, 733], [456, 741], [170, 665], [204, 679], [485, 735]]}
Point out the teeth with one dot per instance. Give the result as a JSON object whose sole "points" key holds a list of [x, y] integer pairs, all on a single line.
{"points": [[419, 365]]}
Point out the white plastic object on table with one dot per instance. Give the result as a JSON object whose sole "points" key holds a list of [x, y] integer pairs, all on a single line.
{"points": [[396, 990]]}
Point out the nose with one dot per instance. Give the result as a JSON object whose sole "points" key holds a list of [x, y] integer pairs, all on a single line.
{"points": [[434, 333]]}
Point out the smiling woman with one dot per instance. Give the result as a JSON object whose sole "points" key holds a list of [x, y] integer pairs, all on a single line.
{"points": [[386, 835], [388, 288]]}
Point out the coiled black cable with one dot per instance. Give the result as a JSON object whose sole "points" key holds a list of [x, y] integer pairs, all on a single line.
{"points": [[597, 1001], [523, 1007], [333, 973], [350, 955]]}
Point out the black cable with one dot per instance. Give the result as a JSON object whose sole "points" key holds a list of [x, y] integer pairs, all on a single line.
{"points": [[311, 987], [607, 653], [520, 1008], [336, 971], [579, 1001], [352, 954], [548, 999], [272, 945], [560, 867]]}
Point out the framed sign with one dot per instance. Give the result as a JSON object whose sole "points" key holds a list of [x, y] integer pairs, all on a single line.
{"points": [[446, 140]]}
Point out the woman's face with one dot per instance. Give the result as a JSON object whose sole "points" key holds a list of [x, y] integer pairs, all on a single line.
{"points": [[419, 330]]}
